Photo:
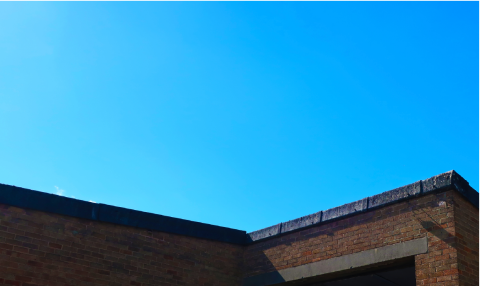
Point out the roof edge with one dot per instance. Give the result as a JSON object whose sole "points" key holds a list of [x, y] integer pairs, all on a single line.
{"points": [[444, 181], [30, 199]]}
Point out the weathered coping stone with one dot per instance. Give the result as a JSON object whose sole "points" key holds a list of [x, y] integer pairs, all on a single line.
{"points": [[437, 183], [41, 201], [264, 233], [394, 195], [347, 209], [301, 222]]}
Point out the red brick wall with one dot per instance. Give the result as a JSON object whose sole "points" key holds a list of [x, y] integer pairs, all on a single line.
{"points": [[38, 248], [439, 266], [430, 215], [466, 228]]}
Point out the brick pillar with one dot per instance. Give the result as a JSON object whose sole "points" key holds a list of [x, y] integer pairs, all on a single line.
{"points": [[466, 232], [439, 266]]}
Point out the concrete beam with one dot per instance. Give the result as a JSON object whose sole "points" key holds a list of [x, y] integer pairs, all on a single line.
{"points": [[342, 263]]}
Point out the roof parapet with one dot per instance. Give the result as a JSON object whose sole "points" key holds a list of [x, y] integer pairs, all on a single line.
{"points": [[25, 198], [437, 183], [41, 201]]}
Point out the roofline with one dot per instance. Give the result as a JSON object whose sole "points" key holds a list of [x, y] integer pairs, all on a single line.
{"points": [[41, 201], [439, 183], [25, 198]]}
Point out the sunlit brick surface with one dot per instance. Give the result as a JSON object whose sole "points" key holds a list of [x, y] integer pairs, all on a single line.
{"points": [[433, 216], [39, 248]]}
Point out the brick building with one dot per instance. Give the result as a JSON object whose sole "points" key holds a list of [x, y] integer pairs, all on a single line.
{"points": [[425, 233]]}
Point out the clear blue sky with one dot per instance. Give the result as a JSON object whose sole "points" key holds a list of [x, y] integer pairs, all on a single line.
{"points": [[236, 114]]}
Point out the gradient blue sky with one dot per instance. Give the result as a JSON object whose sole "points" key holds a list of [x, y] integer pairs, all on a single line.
{"points": [[236, 114]]}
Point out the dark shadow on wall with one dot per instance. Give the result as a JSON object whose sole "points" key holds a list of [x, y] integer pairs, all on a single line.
{"points": [[433, 226]]}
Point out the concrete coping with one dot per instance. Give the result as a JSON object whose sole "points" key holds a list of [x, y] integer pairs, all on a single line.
{"points": [[448, 180], [25, 198]]}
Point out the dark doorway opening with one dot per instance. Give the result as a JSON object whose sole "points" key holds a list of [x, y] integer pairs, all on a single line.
{"points": [[397, 272], [398, 276]]}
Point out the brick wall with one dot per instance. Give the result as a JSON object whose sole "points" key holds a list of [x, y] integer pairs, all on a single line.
{"points": [[431, 216], [38, 248], [439, 266], [466, 230]]}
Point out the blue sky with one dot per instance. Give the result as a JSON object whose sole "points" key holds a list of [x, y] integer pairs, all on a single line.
{"points": [[236, 114]]}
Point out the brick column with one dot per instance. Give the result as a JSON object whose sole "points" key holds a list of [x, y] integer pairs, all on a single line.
{"points": [[438, 267]]}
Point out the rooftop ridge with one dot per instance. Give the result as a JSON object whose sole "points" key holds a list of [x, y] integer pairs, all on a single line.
{"points": [[30, 199], [450, 179]]}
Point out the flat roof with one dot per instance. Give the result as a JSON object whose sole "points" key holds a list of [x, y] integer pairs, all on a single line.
{"points": [[25, 198]]}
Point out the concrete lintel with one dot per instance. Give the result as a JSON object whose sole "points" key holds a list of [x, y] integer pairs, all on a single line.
{"points": [[345, 262]]}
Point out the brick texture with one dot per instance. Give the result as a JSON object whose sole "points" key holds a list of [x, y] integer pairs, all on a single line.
{"points": [[466, 230], [38, 248], [439, 266], [429, 216]]}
